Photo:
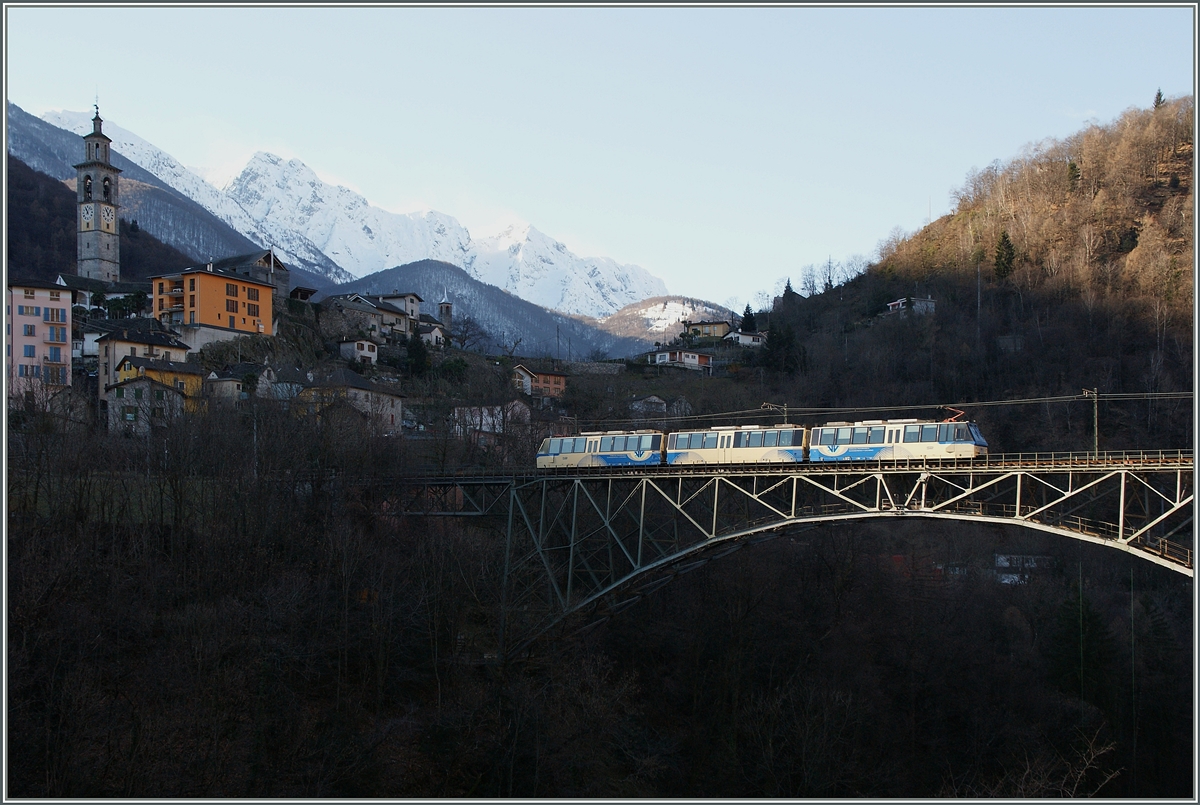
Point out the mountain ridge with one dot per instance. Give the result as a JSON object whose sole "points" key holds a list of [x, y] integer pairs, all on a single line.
{"points": [[336, 233]]}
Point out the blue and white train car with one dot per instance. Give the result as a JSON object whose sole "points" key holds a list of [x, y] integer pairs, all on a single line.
{"points": [[641, 448], [748, 444], [888, 440]]}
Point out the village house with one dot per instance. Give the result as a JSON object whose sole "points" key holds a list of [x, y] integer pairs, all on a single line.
{"points": [[652, 406], [37, 339], [707, 329], [234, 383], [380, 404], [539, 383], [359, 350], [483, 425], [140, 403], [137, 342], [187, 378], [349, 315], [384, 316], [406, 301], [746, 339], [209, 304], [432, 331], [683, 358], [918, 306]]}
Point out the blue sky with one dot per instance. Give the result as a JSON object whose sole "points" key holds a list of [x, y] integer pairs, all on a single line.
{"points": [[722, 149]]}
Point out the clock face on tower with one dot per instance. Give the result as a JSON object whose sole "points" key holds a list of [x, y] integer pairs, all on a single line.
{"points": [[108, 215], [87, 213]]}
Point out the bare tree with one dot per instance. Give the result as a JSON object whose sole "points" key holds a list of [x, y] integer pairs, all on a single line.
{"points": [[467, 332]]}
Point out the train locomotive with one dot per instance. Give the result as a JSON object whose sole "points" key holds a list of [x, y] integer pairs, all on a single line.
{"points": [[868, 440]]}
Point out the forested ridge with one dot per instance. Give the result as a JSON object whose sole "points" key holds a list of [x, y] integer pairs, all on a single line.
{"points": [[220, 610]]}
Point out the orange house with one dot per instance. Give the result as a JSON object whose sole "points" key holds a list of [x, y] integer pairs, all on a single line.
{"points": [[203, 295]]}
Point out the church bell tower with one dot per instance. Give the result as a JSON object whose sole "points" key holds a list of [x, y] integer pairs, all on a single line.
{"points": [[96, 193]]}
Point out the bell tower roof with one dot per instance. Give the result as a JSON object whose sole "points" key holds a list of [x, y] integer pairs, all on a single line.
{"points": [[96, 133]]}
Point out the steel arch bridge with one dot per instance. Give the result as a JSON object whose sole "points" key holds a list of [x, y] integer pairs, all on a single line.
{"points": [[594, 542]]}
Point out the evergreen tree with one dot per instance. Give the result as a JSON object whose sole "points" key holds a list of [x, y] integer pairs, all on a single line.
{"points": [[418, 356], [1072, 176], [782, 353], [748, 323], [1005, 255], [1159, 100]]}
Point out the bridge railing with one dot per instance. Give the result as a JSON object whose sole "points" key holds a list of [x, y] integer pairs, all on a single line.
{"points": [[991, 461]]}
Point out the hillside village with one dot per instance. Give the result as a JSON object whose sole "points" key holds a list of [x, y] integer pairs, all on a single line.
{"points": [[95, 350]]}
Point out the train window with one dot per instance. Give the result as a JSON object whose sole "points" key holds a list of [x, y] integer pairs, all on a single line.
{"points": [[859, 436], [656, 442], [929, 433], [829, 436], [756, 438], [876, 435], [645, 441], [606, 444], [843, 435], [580, 444], [555, 446], [770, 438], [591, 446], [671, 441], [710, 441], [739, 439], [620, 444], [912, 433], [961, 434], [543, 447], [944, 432], [889, 441], [785, 438]]}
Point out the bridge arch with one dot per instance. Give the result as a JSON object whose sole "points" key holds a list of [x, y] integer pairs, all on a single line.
{"points": [[573, 541]]}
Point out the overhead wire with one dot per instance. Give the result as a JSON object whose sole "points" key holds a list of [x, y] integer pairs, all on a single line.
{"points": [[773, 411]]}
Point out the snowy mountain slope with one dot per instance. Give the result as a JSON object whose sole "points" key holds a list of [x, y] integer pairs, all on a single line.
{"points": [[663, 316], [526, 262], [287, 197], [336, 232], [294, 249]]}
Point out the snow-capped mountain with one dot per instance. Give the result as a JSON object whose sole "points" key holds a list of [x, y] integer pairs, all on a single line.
{"points": [[337, 233], [533, 266], [297, 250], [286, 197]]}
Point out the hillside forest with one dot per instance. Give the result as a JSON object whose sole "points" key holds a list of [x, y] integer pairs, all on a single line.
{"points": [[220, 610]]}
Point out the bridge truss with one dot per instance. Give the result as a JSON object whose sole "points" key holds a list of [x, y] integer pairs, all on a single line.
{"points": [[595, 542]]}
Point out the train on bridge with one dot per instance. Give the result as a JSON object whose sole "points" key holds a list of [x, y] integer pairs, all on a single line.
{"points": [[868, 440]]}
